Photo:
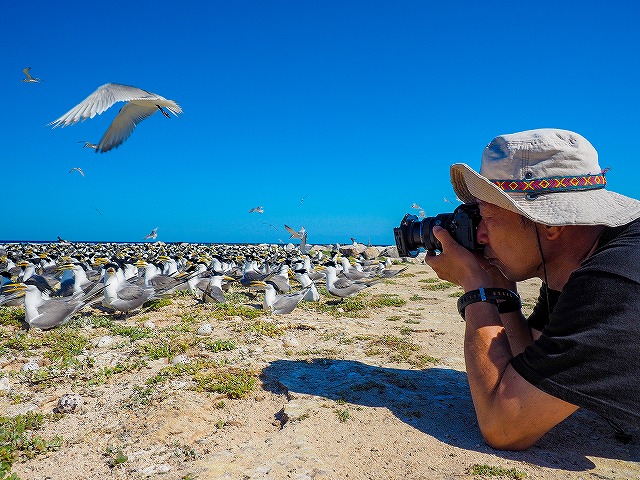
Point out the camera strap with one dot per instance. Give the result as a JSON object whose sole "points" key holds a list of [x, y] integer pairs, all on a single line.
{"points": [[506, 300]]}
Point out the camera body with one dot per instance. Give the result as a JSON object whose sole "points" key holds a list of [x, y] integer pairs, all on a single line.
{"points": [[462, 224]]}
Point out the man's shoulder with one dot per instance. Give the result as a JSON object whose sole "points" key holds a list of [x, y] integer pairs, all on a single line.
{"points": [[618, 252]]}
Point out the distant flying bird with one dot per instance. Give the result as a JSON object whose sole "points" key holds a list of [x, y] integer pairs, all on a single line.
{"points": [[446, 200], [416, 206], [29, 78], [257, 210], [153, 234], [88, 144], [422, 214], [265, 223], [78, 169], [300, 234], [140, 105], [97, 210], [302, 199]]}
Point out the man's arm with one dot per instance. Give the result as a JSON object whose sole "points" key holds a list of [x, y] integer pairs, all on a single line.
{"points": [[512, 413]]}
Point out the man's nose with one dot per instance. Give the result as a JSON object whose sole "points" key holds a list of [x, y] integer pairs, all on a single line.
{"points": [[481, 234]]}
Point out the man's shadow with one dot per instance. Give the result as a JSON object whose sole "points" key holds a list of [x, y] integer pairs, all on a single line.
{"points": [[437, 402]]}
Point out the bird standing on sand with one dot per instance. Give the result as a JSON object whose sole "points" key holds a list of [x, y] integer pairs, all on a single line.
{"points": [[140, 105], [45, 312], [279, 304], [343, 287], [29, 78]]}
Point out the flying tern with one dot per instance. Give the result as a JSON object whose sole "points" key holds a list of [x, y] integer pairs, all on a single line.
{"points": [[29, 78], [77, 169], [140, 105]]}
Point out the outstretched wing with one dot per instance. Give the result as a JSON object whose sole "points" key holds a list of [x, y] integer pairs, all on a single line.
{"points": [[102, 99], [124, 124]]}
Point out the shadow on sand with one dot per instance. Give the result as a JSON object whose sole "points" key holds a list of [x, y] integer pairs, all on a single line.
{"points": [[437, 402]]}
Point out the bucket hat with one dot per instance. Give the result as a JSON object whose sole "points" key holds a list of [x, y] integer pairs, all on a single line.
{"points": [[550, 176]]}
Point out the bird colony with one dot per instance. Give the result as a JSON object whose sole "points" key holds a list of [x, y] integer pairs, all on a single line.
{"points": [[55, 281]]}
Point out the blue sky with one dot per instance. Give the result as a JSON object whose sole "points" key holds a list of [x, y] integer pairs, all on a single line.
{"points": [[360, 107]]}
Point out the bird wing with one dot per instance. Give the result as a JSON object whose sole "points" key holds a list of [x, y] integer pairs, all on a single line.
{"points": [[78, 169], [292, 232], [130, 292], [26, 72], [102, 99], [286, 303], [124, 124]]}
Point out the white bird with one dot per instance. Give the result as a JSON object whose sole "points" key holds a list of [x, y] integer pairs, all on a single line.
{"points": [[257, 210], [416, 206], [140, 105], [299, 234], [343, 287], [153, 234], [88, 144], [78, 169], [279, 304], [29, 78]]}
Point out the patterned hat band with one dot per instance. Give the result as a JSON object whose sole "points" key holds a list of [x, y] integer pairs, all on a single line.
{"points": [[539, 186]]}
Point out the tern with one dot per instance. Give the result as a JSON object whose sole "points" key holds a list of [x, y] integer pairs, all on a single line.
{"points": [[279, 304], [257, 210], [29, 78], [153, 234], [343, 287], [88, 144], [140, 105], [77, 169]]}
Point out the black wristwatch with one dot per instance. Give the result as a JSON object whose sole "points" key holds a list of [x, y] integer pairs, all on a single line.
{"points": [[506, 300]]}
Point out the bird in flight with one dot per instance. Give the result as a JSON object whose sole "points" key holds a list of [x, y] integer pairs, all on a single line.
{"points": [[78, 169], [88, 144], [153, 234], [300, 234], [140, 105], [416, 206], [29, 78], [257, 210], [302, 199]]}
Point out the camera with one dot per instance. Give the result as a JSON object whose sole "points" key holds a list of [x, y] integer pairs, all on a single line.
{"points": [[462, 224]]}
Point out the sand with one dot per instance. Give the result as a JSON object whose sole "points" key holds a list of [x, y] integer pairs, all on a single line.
{"points": [[381, 395]]}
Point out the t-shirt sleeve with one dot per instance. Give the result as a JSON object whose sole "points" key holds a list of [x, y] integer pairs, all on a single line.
{"points": [[588, 353]]}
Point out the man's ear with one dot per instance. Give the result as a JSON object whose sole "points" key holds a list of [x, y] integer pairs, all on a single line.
{"points": [[551, 232]]}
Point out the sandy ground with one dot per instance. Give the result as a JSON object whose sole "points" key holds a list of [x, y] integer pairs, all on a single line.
{"points": [[382, 395]]}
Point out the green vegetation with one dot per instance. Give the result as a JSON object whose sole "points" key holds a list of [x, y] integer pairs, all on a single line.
{"points": [[115, 457], [17, 439], [496, 471], [216, 346], [433, 286], [343, 415], [11, 316], [232, 384], [156, 304]]}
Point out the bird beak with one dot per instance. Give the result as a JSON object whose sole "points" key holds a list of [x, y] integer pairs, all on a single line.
{"points": [[14, 287], [257, 283]]}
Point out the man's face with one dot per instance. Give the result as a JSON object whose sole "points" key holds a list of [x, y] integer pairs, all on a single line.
{"points": [[510, 242]]}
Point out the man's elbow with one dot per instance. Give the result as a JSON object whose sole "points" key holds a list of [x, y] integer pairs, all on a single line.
{"points": [[507, 437]]}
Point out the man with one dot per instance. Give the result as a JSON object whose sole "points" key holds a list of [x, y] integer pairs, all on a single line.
{"points": [[546, 214]]}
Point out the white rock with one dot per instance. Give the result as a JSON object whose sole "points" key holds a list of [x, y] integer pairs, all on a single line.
{"points": [[149, 324], [205, 329], [5, 386], [30, 366], [290, 342], [104, 341], [180, 359]]}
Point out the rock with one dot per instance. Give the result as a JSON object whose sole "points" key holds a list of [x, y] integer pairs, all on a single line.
{"points": [[68, 403], [149, 324], [391, 252], [352, 250], [205, 329], [290, 342], [105, 341], [5, 386], [178, 359], [371, 253], [30, 366]]}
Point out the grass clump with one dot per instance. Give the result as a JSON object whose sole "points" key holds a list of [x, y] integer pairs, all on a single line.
{"points": [[438, 286], [11, 316], [496, 471], [216, 346], [386, 300], [18, 441], [63, 345], [232, 384], [163, 348], [156, 304], [398, 348], [222, 310], [268, 329]]}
